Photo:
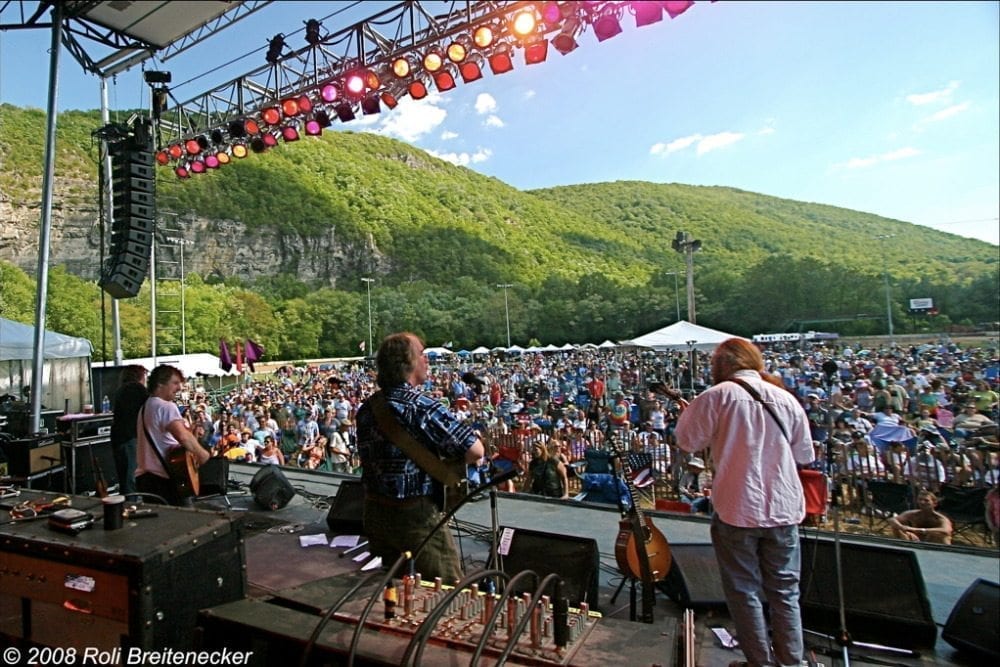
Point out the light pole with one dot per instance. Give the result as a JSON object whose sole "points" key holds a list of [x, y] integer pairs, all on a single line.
{"points": [[368, 284], [506, 307], [693, 362], [683, 243], [677, 295], [885, 277]]}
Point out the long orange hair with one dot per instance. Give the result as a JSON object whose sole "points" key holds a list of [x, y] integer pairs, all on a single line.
{"points": [[738, 354]]}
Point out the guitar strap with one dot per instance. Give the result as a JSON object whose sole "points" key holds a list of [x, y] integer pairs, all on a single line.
{"points": [[756, 396], [424, 458]]}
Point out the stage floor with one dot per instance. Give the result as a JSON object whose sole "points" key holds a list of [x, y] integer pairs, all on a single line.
{"points": [[276, 561]]}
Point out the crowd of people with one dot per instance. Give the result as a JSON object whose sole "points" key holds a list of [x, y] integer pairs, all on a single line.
{"points": [[925, 415]]}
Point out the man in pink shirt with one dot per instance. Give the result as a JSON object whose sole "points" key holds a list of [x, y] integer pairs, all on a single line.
{"points": [[757, 432]]}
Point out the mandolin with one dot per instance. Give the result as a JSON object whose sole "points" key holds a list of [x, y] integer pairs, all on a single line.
{"points": [[641, 550]]}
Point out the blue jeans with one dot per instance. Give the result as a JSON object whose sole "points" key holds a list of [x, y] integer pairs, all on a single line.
{"points": [[752, 560]]}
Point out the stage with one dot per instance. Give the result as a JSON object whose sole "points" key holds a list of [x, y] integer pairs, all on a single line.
{"points": [[903, 597]]}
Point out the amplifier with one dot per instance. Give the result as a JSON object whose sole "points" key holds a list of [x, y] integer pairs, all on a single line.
{"points": [[140, 586], [29, 456], [85, 427]]}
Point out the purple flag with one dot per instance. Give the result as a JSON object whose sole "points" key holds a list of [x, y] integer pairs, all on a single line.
{"points": [[253, 352], [225, 360]]}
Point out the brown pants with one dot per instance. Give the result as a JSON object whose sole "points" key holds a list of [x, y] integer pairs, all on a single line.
{"points": [[392, 528]]}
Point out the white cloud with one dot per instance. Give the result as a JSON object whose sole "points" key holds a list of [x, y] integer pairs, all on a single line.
{"points": [[448, 134], [413, 119], [485, 103], [898, 154], [493, 120], [464, 159], [948, 112], [920, 99], [715, 141], [765, 130], [675, 145]]}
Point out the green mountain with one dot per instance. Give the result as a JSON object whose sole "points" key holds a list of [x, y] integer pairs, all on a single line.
{"points": [[587, 262]]}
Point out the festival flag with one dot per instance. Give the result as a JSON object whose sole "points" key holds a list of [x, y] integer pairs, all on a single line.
{"points": [[239, 358], [225, 360], [254, 352], [361, 346]]}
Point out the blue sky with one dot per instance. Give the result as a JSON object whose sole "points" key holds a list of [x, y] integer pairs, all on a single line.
{"points": [[890, 108]]}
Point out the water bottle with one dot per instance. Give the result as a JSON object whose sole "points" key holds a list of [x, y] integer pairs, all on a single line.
{"points": [[105, 405]]}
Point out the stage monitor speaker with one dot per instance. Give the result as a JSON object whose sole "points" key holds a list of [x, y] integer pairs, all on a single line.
{"points": [[347, 509], [884, 594], [213, 477], [270, 488], [972, 624], [575, 559], [693, 580]]}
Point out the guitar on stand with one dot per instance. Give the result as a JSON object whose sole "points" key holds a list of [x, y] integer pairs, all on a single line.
{"points": [[641, 550]]}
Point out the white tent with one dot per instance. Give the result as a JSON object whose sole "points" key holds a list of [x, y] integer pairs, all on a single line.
{"points": [[681, 336], [481, 350], [191, 365], [437, 351], [65, 369], [607, 344]]}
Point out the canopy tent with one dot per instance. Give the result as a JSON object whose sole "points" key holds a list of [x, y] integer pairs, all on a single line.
{"points": [[481, 350], [191, 365], [437, 352], [606, 345], [681, 335], [65, 368]]}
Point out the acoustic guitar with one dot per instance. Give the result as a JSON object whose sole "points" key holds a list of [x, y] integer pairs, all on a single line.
{"points": [[641, 550], [182, 467]]}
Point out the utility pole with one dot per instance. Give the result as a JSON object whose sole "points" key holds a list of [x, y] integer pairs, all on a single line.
{"points": [[683, 243], [885, 277], [677, 295], [506, 308]]}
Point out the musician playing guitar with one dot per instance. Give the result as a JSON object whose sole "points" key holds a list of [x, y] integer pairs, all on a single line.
{"points": [[400, 508], [161, 425]]}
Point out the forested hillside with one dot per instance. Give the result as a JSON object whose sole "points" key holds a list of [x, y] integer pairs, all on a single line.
{"points": [[586, 262]]}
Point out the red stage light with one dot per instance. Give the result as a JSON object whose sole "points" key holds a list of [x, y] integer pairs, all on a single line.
{"points": [[646, 13], [417, 90], [607, 27], [305, 104], [500, 62], [252, 127], [197, 167], [471, 70], [175, 151], [677, 7], [182, 172], [483, 36], [290, 108], [192, 147], [444, 80], [565, 41], [401, 67], [239, 150], [389, 100], [270, 140], [271, 116], [551, 13], [162, 157], [290, 133], [536, 53]]}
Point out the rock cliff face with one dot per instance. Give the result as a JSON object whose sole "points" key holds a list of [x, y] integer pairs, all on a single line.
{"points": [[216, 248]]}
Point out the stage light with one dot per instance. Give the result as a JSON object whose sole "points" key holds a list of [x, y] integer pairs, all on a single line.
{"points": [[192, 147], [257, 145], [211, 161], [500, 62], [270, 140], [344, 112], [329, 93], [196, 166], [290, 133], [401, 67], [162, 157], [565, 41], [271, 115], [483, 36], [606, 27], [389, 100], [313, 28], [290, 107], [370, 105], [459, 49], [524, 23], [372, 81], [223, 157], [444, 80], [471, 69], [251, 127], [646, 13], [677, 7], [433, 61], [417, 90], [182, 172], [274, 48], [551, 13], [354, 84], [535, 53], [239, 150], [319, 122], [175, 151], [217, 136]]}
